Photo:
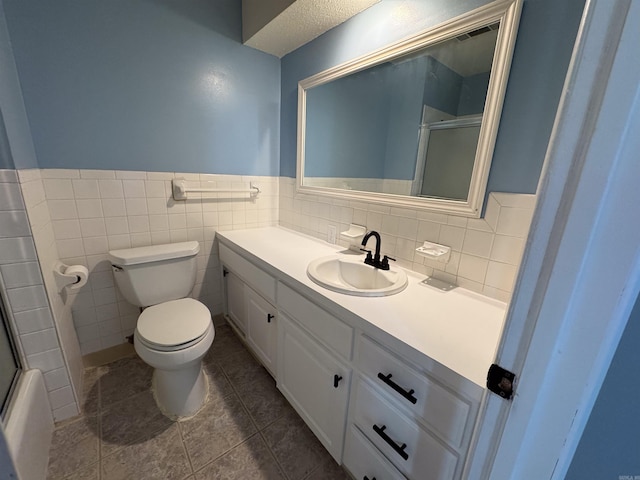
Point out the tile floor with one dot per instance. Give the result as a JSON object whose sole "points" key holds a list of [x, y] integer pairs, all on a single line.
{"points": [[247, 430]]}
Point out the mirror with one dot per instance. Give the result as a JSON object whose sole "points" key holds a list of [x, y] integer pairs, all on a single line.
{"points": [[415, 123]]}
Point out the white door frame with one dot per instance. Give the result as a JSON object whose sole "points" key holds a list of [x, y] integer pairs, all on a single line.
{"points": [[580, 274]]}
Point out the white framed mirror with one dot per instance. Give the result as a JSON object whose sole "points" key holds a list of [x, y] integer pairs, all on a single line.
{"points": [[413, 124]]}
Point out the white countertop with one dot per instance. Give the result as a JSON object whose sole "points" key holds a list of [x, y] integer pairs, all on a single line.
{"points": [[459, 329]]}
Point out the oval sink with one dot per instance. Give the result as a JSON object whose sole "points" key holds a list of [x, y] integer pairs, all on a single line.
{"points": [[353, 277]]}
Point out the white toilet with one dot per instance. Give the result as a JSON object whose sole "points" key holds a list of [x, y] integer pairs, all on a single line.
{"points": [[173, 333]]}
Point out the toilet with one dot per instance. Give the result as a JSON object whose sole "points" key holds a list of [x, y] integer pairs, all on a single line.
{"points": [[173, 332]]}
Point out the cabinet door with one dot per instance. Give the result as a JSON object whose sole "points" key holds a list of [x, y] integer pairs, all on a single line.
{"points": [[316, 383], [262, 333], [236, 309]]}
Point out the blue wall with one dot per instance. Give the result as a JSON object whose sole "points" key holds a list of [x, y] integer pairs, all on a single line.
{"points": [[349, 125], [16, 147], [610, 443], [145, 85], [543, 49]]}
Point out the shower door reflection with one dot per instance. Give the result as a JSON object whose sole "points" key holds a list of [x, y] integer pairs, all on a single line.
{"points": [[9, 365]]}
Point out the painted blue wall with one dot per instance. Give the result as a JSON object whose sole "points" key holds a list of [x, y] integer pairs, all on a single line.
{"points": [[16, 146], [145, 85], [543, 49], [473, 94], [349, 125], [610, 443]]}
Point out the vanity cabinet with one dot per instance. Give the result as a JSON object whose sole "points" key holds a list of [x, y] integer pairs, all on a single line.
{"points": [[316, 383], [382, 409], [250, 312], [262, 329], [236, 304]]}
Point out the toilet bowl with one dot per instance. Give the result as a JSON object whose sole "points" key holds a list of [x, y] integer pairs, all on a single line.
{"points": [[173, 337], [173, 333]]}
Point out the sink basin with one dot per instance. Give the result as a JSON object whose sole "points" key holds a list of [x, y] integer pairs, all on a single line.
{"points": [[353, 277]]}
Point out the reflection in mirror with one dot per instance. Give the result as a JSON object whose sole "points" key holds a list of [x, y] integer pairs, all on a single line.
{"points": [[364, 131], [446, 155], [414, 124]]}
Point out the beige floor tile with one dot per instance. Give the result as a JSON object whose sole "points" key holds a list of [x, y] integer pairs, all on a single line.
{"points": [[329, 469], [74, 446], [250, 460], [263, 400], [295, 447], [241, 368], [225, 343], [218, 427], [90, 391], [134, 419], [122, 379], [136, 441], [158, 457], [92, 472], [219, 386]]}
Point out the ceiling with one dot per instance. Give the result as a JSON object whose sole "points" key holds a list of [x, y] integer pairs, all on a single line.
{"points": [[281, 26]]}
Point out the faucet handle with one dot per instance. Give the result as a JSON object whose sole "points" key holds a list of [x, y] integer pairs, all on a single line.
{"points": [[368, 252], [385, 262]]}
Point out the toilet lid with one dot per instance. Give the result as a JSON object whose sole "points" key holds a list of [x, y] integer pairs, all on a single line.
{"points": [[174, 323]]}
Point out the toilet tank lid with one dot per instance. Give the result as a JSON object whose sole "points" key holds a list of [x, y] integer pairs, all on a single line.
{"points": [[153, 253]]}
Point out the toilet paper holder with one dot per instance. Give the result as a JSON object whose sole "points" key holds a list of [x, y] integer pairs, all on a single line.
{"points": [[72, 276]]}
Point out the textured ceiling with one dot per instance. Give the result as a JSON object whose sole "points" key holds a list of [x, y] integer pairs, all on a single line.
{"points": [[303, 21]]}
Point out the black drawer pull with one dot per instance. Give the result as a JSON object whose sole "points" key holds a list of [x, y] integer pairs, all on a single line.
{"points": [[269, 317], [408, 395], [336, 380], [367, 478], [399, 449]]}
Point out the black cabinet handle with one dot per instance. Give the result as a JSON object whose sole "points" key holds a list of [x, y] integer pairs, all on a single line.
{"points": [[269, 317], [398, 448], [367, 478], [336, 380], [406, 394]]}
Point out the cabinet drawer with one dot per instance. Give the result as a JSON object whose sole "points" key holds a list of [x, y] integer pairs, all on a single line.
{"points": [[410, 448], [444, 412], [259, 280], [362, 459], [327, 328]]}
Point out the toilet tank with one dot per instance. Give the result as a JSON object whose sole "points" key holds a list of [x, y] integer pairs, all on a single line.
{"points": [[158, 273]]}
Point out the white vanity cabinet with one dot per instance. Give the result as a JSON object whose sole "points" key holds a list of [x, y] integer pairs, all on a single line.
{"points": [[314, 371], [236, 303], [251, 312], [316, 383], [390, 387], [262, 329]]}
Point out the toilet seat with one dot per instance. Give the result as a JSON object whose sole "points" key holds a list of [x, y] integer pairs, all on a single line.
{"points": [[173, 325]]}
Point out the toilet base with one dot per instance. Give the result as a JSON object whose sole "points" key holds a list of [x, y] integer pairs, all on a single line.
{"points": [[180, 394]]}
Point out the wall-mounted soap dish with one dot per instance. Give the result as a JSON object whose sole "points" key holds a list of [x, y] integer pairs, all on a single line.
{"points": [[439, 284], [354, 236], [435, 251]]}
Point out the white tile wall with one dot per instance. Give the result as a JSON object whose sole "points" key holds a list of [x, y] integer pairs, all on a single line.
{"points": [[94, 211], [38, 339], [82, 214], [485, 255]]}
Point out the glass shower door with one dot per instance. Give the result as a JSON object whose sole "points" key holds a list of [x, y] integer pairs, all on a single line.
{"points": [[9, 365]]}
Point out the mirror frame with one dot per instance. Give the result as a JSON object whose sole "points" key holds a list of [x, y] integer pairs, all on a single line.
{"points": [[507, 12]]}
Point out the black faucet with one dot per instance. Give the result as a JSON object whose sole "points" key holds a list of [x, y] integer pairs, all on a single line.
{"points": [[374, 260]]}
